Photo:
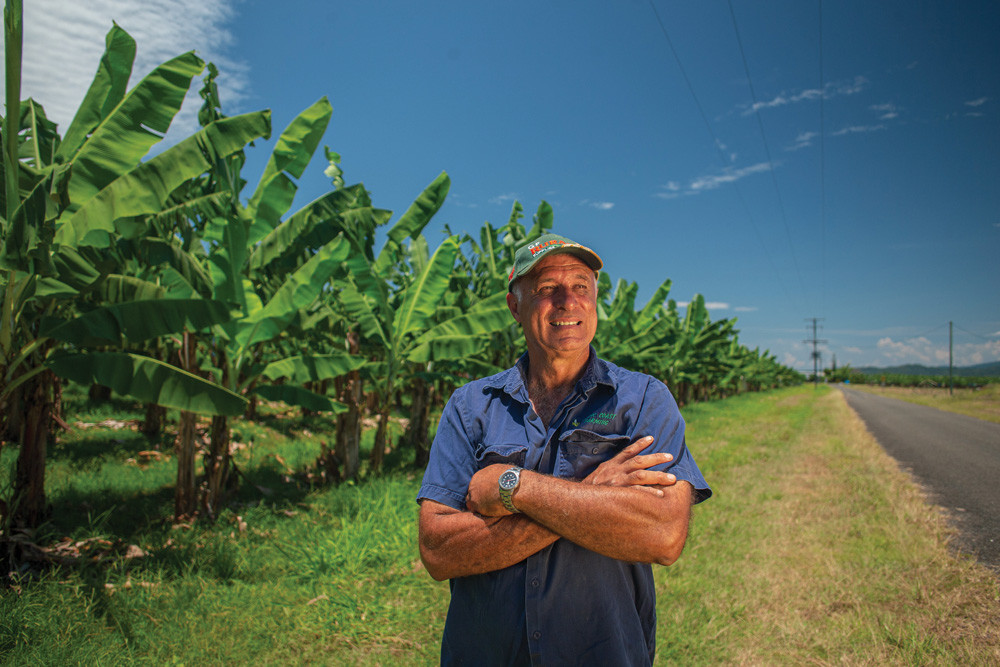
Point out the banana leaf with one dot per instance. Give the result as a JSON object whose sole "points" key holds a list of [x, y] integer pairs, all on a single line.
{"points": [[147, 380], [119, 289], [543, 220], [181, 271], [105, 92], [144, 190], [654, 305], [465, 335], [313, 368], [139, 320], [295, 233], [298, 291], [26, 239], [413, 221], [292, 153], [226, 260], [40, 136], [360, 310], [135, 125], [423, 296], [299, 397]]}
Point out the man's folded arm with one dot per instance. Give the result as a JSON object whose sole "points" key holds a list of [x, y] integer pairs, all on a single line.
{"points": [[458, 543]]}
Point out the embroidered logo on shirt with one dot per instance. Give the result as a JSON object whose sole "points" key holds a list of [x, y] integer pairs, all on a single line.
{"points": [[597, 419]]}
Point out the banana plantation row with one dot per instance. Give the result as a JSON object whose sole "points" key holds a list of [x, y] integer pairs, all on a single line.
{"points": [[166, 281]]}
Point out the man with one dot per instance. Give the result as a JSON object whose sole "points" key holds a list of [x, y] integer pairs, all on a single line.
{"points": [[553, 485]]}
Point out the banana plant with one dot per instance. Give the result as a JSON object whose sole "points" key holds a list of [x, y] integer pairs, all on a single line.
{"points": [[65, 202], [270, 269], [398, 298]]}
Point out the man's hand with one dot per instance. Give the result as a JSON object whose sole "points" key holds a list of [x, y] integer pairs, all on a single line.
{"points": [[629, 468], [483, 496]]}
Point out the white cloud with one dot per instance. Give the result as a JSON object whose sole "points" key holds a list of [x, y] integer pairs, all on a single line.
{"points": [[710, 305], [745, 309], [977, 103], [792, 361], [858, 129], [888, 111], [830, 90], [920, 350], [804, 140], [501, 199], [600, 205], [673, 189], [712, 182], [64, 40]]}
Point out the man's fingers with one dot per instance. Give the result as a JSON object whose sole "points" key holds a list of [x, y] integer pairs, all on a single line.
{"points": [[649, 460], [635, 447], [652, 477]]}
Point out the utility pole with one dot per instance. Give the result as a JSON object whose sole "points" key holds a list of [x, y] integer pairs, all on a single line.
{"points": [[816, 342], [951, 378]]}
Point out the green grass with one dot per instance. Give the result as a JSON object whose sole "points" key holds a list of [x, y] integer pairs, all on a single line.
{"points": [[814, 550]]}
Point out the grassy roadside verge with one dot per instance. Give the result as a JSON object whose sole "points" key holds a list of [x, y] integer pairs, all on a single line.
{"points": [[979, 403], [815, 549]]}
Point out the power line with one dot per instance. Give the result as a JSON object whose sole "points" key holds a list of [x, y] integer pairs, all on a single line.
{"points": [[722, 157], [972, 333], [822, 164], [767, 149]]}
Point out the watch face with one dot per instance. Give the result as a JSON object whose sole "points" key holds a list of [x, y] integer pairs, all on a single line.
{"points": [[508, 480]]}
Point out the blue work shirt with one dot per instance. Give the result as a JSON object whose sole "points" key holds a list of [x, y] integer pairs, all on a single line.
{"points": [[564, 604]]}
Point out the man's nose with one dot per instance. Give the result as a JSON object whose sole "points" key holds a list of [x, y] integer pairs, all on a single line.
{"points": [[563, 297]]}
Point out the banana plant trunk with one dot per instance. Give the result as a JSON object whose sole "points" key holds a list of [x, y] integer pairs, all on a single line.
{"points": [[217, 465], [185, 498], [416, 432], [381, 432], [152, 423], [28, 507], [348, 443], [378, 449]]}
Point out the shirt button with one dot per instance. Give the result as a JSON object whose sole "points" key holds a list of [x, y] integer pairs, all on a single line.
{"points": [[594, 451], [534, 583], [536, 635]]}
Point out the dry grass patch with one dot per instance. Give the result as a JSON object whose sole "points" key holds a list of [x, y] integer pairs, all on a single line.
{"points": [[979, 403]]}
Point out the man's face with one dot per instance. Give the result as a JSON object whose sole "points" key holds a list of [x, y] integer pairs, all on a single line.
{"points": [[556, 305]]}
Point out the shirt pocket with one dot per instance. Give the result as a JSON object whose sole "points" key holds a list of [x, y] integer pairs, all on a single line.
{"points": [[585, 450], [508, 454]]}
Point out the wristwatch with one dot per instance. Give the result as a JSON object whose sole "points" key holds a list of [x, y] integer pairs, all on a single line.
{"points": [[509, 480]]}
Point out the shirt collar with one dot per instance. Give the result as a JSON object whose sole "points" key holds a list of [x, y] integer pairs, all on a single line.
{"points": [[511, 381]]}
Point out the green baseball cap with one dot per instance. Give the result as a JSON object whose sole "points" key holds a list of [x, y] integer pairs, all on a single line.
{"points": [[550, 244]]}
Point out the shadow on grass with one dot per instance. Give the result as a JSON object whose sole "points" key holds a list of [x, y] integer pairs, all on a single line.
{"points": [[83, 448], [289, 425]]}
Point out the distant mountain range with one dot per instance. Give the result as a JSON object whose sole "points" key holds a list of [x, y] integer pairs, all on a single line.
{"points": [[991, 369]]}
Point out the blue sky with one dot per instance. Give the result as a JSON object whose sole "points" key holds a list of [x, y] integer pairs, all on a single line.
{"points": [[710, 142]]}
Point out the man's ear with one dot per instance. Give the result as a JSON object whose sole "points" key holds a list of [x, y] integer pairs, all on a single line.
{"points": [[513, 306]]}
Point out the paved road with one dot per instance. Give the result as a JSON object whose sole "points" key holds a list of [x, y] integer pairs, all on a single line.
{"points": [[956, 458]]}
